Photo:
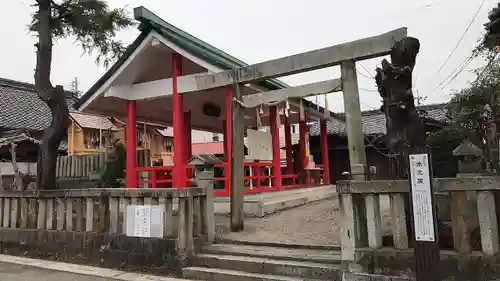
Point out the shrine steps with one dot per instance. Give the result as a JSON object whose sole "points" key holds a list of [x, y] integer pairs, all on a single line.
{"points": [[223, 262]]}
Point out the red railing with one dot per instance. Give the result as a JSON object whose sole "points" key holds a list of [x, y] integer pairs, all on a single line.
{"points": [[259, 178], [161, 176]]}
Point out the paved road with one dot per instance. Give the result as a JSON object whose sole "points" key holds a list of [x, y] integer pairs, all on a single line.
{"points": [[14, 272]]}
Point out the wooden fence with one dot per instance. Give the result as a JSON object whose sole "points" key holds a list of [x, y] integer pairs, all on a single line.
{"points": [[473, 200], [78, 166], [103, 211], [82, 166]]}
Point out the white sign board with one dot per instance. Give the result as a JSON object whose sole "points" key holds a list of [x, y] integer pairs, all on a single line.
{"points": [[421, 197], [144, 221], [259, 145]]}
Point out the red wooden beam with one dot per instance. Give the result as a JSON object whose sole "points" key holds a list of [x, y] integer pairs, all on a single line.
{"points": [[189, 146], [275, 134], [228, 140], [288, 146], [324, 152], [302, 150], [179, 173], [131, 143], [187, 134]]}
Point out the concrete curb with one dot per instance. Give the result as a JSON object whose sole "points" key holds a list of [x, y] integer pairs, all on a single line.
{"points": [[84, 269]]}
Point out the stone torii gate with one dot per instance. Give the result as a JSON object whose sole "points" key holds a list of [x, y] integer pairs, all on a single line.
{"points": [[345, 55]]}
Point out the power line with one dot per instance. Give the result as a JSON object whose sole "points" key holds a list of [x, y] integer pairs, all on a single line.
{"points": [[369, 74], [464, 65], [488, 65], [367, 105], [26, 4], [462, 37], [364, 75], [454, 74], [416, 8], [368, 90]]}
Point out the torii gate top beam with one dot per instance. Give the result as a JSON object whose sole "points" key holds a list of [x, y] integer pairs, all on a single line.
{"points": [[361, 49]]}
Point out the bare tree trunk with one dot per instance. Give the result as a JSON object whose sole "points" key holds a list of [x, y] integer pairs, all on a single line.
{"points": [[18, 182], [405, 129], [53, 97], [492, 138]]}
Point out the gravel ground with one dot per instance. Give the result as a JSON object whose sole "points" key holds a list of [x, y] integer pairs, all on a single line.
{"points": [[312, 224], [316, 223]]}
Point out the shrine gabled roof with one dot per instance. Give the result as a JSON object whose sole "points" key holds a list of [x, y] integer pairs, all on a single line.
{"points": [[151, 22], [194, 45]]}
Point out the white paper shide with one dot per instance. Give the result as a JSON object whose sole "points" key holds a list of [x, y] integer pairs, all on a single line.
{"points": [[421, 197]]}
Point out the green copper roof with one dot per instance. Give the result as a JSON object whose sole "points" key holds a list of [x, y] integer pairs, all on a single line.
{"points": [[194, 45]]}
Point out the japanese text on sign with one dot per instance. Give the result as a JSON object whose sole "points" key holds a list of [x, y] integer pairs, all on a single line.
{"points": [[421, 197], [142, 221]]}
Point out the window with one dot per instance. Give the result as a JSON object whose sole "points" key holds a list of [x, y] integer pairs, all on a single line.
{"points": [[168, 145], [215, 137], [143, 139], [91, 138]]}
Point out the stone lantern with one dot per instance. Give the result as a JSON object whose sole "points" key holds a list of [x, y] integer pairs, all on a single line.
{"points": [[469, 159], [204, 165], [469, 165]]}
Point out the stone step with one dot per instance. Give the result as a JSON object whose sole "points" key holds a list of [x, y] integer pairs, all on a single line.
{"points": [[326, 256], [299, 197], [270, 266], [217, 274], [313, 192]]}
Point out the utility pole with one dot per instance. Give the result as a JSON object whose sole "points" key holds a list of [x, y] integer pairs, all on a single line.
{"points": [[419, 99], [74, 86]]}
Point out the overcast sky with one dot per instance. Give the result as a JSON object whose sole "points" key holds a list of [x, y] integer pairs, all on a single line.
{"points": [[258, 30]]}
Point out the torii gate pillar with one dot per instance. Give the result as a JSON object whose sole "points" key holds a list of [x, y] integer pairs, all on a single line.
{"points": [[237, 159]]}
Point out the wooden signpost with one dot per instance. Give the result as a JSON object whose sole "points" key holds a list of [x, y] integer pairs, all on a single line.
{"points": [[424, 218]]}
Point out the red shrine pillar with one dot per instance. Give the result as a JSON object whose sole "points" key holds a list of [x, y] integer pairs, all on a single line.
{"points": [[288, 146], [189, 148], [224, 138], [187, 134], [324, 152], [228, 124], [275, 134], [131, 143], [302, 150], [178, 172]]}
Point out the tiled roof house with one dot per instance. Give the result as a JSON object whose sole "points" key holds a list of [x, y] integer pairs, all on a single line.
{"points": [[22, 109], [374, 128], [374, 122]]}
